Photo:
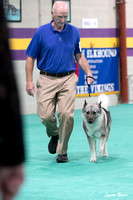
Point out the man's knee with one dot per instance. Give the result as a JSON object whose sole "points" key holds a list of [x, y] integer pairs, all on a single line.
{"points": [[66, 116], [48, 119]]}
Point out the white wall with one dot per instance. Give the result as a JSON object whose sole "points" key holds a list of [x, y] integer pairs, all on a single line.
{"points": [[129, 13], [37, 12], [103, 10]]}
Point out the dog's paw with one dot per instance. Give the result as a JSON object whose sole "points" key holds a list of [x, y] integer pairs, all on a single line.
{"points": [[105, 154], [93, 159]]}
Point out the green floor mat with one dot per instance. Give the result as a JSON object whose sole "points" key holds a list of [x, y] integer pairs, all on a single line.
{"points": [[109, 179]]}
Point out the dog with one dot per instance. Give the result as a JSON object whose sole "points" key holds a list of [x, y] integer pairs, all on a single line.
{"points": [[96, 124]]}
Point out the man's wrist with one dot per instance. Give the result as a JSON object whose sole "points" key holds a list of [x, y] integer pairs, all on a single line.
{"points": [[88, 76]]}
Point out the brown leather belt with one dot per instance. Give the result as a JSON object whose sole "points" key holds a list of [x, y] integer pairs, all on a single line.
{"points": [[56, 75]]}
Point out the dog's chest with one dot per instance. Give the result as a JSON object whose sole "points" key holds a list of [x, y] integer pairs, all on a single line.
{"points": [[93, 131]]}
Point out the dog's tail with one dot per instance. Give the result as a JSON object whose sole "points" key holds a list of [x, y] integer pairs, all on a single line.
{"points": [[104, 99]]}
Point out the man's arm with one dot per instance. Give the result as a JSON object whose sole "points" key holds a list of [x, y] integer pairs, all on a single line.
{"points": [[30, 87], [81, 60]]}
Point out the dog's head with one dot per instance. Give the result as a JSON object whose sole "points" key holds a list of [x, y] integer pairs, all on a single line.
{"points": [[91, 111]]}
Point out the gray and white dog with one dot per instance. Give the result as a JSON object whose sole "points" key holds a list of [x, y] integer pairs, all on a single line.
{"points": [[96, 123]]}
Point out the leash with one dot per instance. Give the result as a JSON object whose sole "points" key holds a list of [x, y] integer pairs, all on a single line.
{"points": [[89, 84]]}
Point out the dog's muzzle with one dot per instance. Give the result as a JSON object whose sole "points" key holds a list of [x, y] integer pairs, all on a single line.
{"points": [[90, 121]]}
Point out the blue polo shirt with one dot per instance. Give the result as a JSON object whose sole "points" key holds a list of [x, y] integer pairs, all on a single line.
{"points": [[55, 50]]}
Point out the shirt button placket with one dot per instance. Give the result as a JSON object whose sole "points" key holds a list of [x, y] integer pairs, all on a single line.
{"points": [[59, 39]]}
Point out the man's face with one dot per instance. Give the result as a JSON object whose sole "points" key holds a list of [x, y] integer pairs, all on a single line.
{"points": [[60, 18]]}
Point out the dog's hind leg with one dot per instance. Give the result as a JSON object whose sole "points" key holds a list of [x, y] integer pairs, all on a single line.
{"points": [[101, 147], [92, 145], [105, 153]]}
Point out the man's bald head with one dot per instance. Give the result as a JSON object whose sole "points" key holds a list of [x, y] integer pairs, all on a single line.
{"points": [[60, 6]]}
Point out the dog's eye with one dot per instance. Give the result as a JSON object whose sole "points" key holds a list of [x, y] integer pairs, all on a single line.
{"points": [[94, 112], [87, 112]]}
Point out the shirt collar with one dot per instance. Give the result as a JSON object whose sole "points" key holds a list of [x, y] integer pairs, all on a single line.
{"points": [[54, 30]]}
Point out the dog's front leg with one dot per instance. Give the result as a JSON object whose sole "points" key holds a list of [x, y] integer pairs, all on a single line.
{"points": [[92, 145], [101, 147], [105, 153]]}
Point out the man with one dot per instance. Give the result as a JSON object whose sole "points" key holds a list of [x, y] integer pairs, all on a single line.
{"points": [[55, 45], [11, 133]]}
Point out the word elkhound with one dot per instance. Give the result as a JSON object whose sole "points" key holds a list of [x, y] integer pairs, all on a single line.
{"points": [[96, 124]]}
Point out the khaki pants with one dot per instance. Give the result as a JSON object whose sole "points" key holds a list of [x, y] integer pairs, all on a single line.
{"points": [[60, 92]]}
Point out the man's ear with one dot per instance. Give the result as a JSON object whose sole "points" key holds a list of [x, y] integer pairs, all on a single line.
{"points": [[52, 14]]}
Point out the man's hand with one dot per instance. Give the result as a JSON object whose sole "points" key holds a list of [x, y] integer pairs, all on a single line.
{"points": [[89, 80], [30, 88], [11, 179]]}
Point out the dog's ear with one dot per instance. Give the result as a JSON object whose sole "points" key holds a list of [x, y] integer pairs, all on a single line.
{"points": [[85, 103], [100, 104]]}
